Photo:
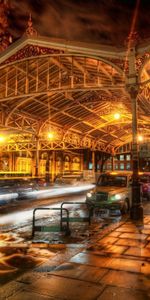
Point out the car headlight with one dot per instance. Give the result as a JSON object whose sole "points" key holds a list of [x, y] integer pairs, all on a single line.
{"points": [[115, 197], [89, 195]]}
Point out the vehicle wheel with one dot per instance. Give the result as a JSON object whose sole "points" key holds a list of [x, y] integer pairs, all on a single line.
{"points": [[125, 207]]}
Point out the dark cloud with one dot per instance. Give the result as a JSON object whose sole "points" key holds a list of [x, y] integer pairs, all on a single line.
{"points": [[97, 21]]}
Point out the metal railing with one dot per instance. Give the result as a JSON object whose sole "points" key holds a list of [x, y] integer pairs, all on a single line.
{"points": [[52, 228]]}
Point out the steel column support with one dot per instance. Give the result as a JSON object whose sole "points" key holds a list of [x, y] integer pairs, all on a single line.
{"points": [[47, 175], [37, 157], [136, 211]]}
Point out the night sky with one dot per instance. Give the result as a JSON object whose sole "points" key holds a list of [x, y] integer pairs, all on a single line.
{"points": [[97, 21]]}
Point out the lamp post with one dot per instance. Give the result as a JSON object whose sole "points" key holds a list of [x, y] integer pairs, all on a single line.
{"points": [[136, 211]]}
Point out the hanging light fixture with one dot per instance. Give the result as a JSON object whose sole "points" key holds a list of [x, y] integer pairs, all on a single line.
{"points": [[2, 138], [50, 135], [140, 138], [117, 116]]}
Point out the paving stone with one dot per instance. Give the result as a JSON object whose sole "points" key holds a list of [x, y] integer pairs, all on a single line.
{"points": [[127, 280], [146, 226], [82, 272], [107, 240], [145, 268], [136, 236], [145, 231], [130, 242], [115, 293], [143, 252], [148, 245], [30, 295], [108, 262], [65, 288], [114, 234], [128, 229], [9, 289], [116, 249]]}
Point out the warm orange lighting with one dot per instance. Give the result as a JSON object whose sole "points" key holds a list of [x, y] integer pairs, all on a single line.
{"points": [[140, 138], [2, 139], [50, 135], [140, 173], [116, 116], [113, 173]]}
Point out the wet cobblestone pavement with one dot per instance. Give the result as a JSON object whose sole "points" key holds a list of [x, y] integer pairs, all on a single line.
{"points": [[108, 261]]}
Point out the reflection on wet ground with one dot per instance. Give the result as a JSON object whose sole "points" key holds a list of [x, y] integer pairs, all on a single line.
{"points": [[20, 253]]}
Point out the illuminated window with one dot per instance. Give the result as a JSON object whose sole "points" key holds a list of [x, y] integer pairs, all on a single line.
{"points": [[90, 166], [122, 157], [116, 167], [128, 157], [109, 166], [116, 158], [76, 164], [121, 166], [128, 166]]}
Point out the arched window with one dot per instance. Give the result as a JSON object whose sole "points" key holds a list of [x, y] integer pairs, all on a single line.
{"points": [[58, 165], [76, 164], [67, 163]]}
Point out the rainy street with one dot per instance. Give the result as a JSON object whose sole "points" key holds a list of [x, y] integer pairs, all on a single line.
{"points": [[20, 251]]}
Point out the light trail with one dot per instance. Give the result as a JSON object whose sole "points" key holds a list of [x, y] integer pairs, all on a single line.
{"points": [[62, 191], [21, 217], [26, 216], [45, 193]]}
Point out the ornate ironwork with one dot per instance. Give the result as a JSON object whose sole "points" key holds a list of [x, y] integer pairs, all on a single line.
{"points": [[141, 59], [29, 51], [30, 31]]}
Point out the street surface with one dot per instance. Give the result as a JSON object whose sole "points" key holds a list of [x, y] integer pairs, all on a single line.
{"points": [[20, 252]]}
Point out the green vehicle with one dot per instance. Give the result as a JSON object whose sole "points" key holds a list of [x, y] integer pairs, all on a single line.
{"points": [[112, 191]]}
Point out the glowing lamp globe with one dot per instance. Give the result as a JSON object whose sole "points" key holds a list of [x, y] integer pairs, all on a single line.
{"points": [[116, 116]]}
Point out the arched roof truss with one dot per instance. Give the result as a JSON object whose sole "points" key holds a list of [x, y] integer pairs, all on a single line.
{"points": [[76, 95]]}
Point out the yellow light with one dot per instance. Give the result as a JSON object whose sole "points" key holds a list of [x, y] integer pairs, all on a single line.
{"points": [[140, 173], [140, 138], [113, 173], [2, 138], [116, 116], [50, 135]]}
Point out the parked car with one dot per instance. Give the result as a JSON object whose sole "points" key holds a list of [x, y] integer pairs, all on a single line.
{"points": [[112, 190]]}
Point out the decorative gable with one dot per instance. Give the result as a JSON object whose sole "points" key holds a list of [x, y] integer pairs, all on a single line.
{"points": [[31, 50]]}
